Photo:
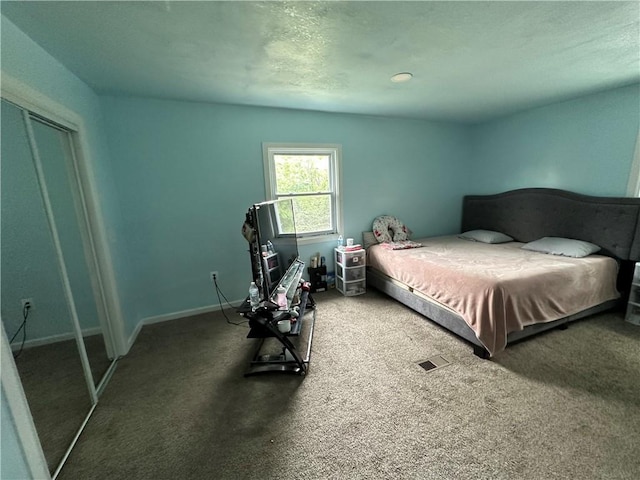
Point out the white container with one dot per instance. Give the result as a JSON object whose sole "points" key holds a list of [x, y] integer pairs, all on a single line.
{"points": [[254, 296], [284, 326], [281, 298]]}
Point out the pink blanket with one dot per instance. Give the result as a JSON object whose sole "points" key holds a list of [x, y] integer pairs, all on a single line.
{"points": [[499, 289]]}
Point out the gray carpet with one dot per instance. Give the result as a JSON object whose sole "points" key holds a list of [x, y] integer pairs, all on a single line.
{"points": [[564, 405]]}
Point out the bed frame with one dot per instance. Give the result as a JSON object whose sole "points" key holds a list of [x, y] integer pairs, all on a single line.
{"points": [[526, 215]]}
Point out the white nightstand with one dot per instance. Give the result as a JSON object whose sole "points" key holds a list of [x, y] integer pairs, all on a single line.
{"points": [[633, 307]]}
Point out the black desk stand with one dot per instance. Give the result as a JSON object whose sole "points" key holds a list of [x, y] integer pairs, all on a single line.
{"points": [[264, 324]]}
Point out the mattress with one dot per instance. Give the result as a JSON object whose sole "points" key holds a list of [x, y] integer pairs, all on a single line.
{"points": [[499, 289]]}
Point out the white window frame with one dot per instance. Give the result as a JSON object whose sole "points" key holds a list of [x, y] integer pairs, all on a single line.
{"points": [[269, 150]]}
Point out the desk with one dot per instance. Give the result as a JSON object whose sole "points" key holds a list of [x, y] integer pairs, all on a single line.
{"points": [[264, 324]]}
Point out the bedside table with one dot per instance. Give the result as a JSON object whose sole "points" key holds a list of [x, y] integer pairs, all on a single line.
{"points": [[351, 271], [633, 306]]}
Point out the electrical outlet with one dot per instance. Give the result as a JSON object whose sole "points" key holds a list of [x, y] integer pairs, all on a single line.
{"points": [[213, 276], [27, 301]]}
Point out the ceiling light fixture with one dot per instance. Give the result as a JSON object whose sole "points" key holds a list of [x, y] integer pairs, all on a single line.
{"points": [[402, 77]]}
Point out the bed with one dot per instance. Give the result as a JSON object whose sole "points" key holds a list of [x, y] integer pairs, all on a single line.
{"points": [[495, 294]]}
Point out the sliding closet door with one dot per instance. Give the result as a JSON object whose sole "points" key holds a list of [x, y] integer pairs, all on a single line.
{"points": [[54, 149], [43, 338]]}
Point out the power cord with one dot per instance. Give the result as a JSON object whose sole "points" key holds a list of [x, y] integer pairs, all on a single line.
{"points": [[23, 326], [220, 292]]}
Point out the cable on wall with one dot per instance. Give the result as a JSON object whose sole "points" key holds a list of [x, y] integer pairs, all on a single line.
{"points": [[23, 326], [220, 292]]}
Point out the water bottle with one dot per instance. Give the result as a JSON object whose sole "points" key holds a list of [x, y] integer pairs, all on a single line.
{"points": [[254, 296], [340, 241], [281, 299]]}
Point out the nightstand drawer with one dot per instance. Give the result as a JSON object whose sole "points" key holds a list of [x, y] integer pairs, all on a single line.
{"points": [[350, 274], [351, 259], [351, 288]]}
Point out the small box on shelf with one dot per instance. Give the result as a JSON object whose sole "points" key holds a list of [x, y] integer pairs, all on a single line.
{"points": [[331, 280], [271, 266]]}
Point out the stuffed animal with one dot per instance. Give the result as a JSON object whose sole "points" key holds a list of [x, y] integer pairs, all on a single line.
{"points": [[248, 232]]}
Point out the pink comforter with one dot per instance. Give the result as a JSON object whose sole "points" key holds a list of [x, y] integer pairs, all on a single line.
{"points": [[498, 289]]}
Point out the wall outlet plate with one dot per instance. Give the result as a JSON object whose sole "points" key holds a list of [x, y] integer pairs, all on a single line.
{"points": [[24, 301], [214, 274]]}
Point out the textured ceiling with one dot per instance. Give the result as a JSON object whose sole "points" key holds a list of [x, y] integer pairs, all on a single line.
{"points": [[470, 60]]}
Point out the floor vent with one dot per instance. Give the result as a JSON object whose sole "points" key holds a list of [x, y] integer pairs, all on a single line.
{"points": [[434, 362]]}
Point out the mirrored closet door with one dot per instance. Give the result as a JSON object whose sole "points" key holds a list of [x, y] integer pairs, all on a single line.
{"points": [[60, 339]]}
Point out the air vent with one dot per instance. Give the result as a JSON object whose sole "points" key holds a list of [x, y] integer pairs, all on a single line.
{"points": [[434, 362]]}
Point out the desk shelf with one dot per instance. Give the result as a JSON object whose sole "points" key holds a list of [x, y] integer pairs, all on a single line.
{"points": [[271, 267], [264, 325]]}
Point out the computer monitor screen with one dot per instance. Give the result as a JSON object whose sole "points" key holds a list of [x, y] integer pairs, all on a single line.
{"points": [[275, 244]]}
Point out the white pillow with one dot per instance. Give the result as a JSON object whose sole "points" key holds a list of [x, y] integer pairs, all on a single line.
{"points": [[566, 247], [486, 236]]}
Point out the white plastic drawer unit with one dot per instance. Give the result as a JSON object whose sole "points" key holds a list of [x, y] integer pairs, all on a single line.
{"points": [[351, 272], [633, 307]]}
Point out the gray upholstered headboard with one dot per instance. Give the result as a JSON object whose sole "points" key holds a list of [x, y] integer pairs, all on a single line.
{"points": [[532, 213]]}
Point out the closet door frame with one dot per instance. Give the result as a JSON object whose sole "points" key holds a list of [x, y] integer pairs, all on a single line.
{"points": [[35, 102]]}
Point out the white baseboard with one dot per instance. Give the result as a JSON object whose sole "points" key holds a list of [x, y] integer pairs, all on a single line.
{"points": [[133, 336], [87, 332], [174, 316]]}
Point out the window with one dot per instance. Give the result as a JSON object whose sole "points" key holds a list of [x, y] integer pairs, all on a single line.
{"points": [[310, 176]]}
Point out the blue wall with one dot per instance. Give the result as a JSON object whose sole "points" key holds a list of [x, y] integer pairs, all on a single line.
{"points": [[585, 145], [187, 173]]}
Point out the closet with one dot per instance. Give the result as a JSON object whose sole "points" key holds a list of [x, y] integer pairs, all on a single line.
{"points": [[53, 305]]}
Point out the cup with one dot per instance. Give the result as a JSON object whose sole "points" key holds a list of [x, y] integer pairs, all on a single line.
{"points": [[349, 242], [284, 326]]}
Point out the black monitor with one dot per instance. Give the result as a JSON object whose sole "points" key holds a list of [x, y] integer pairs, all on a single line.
{"points": [[270, 229]]}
